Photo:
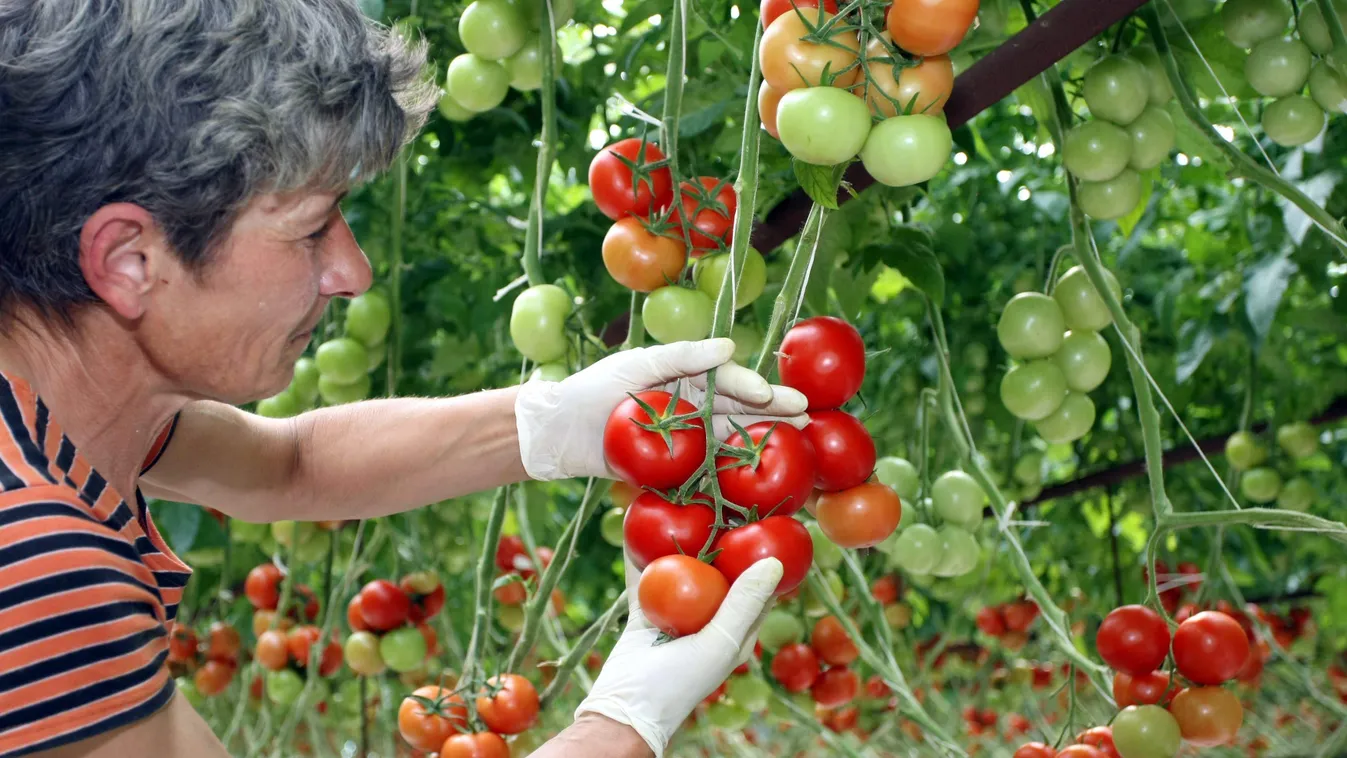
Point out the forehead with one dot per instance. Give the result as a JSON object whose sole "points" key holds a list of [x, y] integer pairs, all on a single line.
{"points": [[289, 209]]}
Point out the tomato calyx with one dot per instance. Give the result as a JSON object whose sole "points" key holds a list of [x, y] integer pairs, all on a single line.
{"points": [[641, 169]]}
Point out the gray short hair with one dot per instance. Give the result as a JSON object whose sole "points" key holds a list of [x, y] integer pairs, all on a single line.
{"points": [[188, 108]]}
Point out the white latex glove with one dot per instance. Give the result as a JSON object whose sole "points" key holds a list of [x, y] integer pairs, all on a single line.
{"points": [[653, 688], [561, 423]]}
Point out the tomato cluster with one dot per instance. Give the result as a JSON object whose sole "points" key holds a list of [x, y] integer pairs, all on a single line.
{"points": [[1262, 482], [1131, 133], [1280, 65], [1061, 355], [938, 539], [1009, 622], [212, 662], [825, 78], [504, 52], [389, 624], [516, 571], [440, 719]]}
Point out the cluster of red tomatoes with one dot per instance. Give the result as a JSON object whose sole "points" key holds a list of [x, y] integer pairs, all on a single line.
{"points": [[283, 646], [1281, 64], [983, 721], [800, 667], [389, 624], [516, 571], [212, 663], [820, 92], [439, 719], [1060, 355], [1009, 622], [1131, 132]]}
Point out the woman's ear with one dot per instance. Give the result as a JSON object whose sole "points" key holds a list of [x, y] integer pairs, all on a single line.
{"points": [[124, 255]]}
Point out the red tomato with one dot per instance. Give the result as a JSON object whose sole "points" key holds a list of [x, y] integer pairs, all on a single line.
{"points": [[383, 605], [263, 587], [1019, 616], [1035, 750], [618, 190], [354, 618], [930, 27], [425, 607], [885, 589], [779, 477], [1133, 639], [512, 708], [843, 450], [711, 204], [795, 666], [990, 622], [1185, 612], [780, 537], [432, 639], [715, 695], [223, 643], [642, 457], [1210, 648], [480, 745], [654, 527], [545, 556], [829, 639], [835, 687], [843, 719], [511, 554], [299, 641], [182, 644], [425, 726], [773, 8], [272, 651], [214, 677], [823, 357], [511, 593], [680, 595], [1080, 751], [1100, 737], [862, 516], [306, 600], [1147, 689], [1018, 725], [876, 688], [1253, 665]]}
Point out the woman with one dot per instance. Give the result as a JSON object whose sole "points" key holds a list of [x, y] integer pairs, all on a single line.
{"points": [[170, 234]]}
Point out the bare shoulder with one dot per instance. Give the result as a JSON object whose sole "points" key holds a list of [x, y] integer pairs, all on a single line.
{"points": [[175, 729]]}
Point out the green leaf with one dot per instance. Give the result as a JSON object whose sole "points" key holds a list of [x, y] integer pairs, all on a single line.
{"points": [[696, 122], [820, 182], [1190, 140], [179, 523], [919, 265], [642, 12], [1036, 95], [1264, 285], [1194, 343]]}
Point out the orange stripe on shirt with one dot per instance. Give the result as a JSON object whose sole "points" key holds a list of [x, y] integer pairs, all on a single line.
{"points": [[96, 670], [71, 720]]}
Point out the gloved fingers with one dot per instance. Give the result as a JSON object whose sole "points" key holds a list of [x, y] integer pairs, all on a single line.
{"points": [[744, 605], [745, 385], [660, 364], [723, 428], [785, 402]]}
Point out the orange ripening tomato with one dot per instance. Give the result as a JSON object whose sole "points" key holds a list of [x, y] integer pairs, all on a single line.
{"points": [[640, 260], [480, 745], [426, 727], [680, 594], [769, 99], [514, 707], [930, 27], [223, 643], [922, 88], [182, 644], [773, 9], [790, 62], [214, 677], [272, 651]]}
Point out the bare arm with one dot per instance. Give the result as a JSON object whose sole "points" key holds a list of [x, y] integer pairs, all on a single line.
{"points": [[176, 729], [594, 736], [361, 460]]}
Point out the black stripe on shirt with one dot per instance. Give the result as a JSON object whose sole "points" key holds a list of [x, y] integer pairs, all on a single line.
{"points": [[13, 418], [68, 581], [67, 540], [75, 659], [83, 696], [76, 619], [115, 721]]}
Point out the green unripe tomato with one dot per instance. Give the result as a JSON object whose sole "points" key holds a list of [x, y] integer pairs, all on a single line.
{"points": [[749, 691], [802, 700], [960, 552], [1278, 66], [538, 323], [905, 150], [826, 554], [403, 649], [283, 687], [919, 550], [1293, 120], [814, 605], [361, 652], [975, 355], [342, 360], [525, 67], [709, 273], [1314, 28], [451, 110], [492, 29], [1029, 469], [779, 629], [900, 476], [550, 372], [1152, 135], [1296, 495], [511, 617], [283, 405], [1033, 390], [958, 498], [1298, 438], [1083, 308], [1072, 420], [336, 393], [1116, 89], [1328, 88], [1146, 731], [477, 84], [1261, 485], [1244, 451], [1084, 359], [1112, 199], [304, 385], [728, 716], [747, 342], [1160, 91], [677, 314], [1096, 151], [611, 526], [1031, 326], [368, 318], [1248, 22], [823, 126]]}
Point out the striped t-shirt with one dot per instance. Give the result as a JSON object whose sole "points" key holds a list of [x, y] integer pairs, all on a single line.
{"points": [[87, 588]]}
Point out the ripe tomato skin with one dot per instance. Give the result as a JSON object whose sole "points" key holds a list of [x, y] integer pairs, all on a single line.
{"points": [[272, 651], [615, 188], [384, 605], [511, 554], [1207, 716], [876, 688], [641, 457], [426, 729], [885, 590], [655, 527], [511, 710], [844, 452], [1019, 616], [769, 99], [262, 587], [182, 643], [835, 687], [511, 593], [223, 642], [989, 620], [711, 224], [1080, 751], [862, 516], [306, 603], [823, 357], [791, 62], [640, 260], [930, 27], [1034, 750], [830, 641], [354, 617], [299, 641], [480, 745], [680, 594], [779, 537], [1210, 648], [1133, 639], [214, 677], [771, 9], [1147, 689], [925, 86], [425, 607], [1100, 737], [780, 481], [795, 666]]}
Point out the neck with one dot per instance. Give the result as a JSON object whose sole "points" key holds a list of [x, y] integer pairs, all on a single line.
{"points": [[100, 387]]}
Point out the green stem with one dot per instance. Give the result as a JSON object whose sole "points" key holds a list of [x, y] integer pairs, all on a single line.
{"points": [[533, 236], [482, 602], [1244, 165], [1263, 518], [581, 649], [811, 722], [792, 288], [394, 357], [635, 329]]}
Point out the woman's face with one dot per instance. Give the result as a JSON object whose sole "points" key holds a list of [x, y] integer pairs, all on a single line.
{"points": [[233, 334]]}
